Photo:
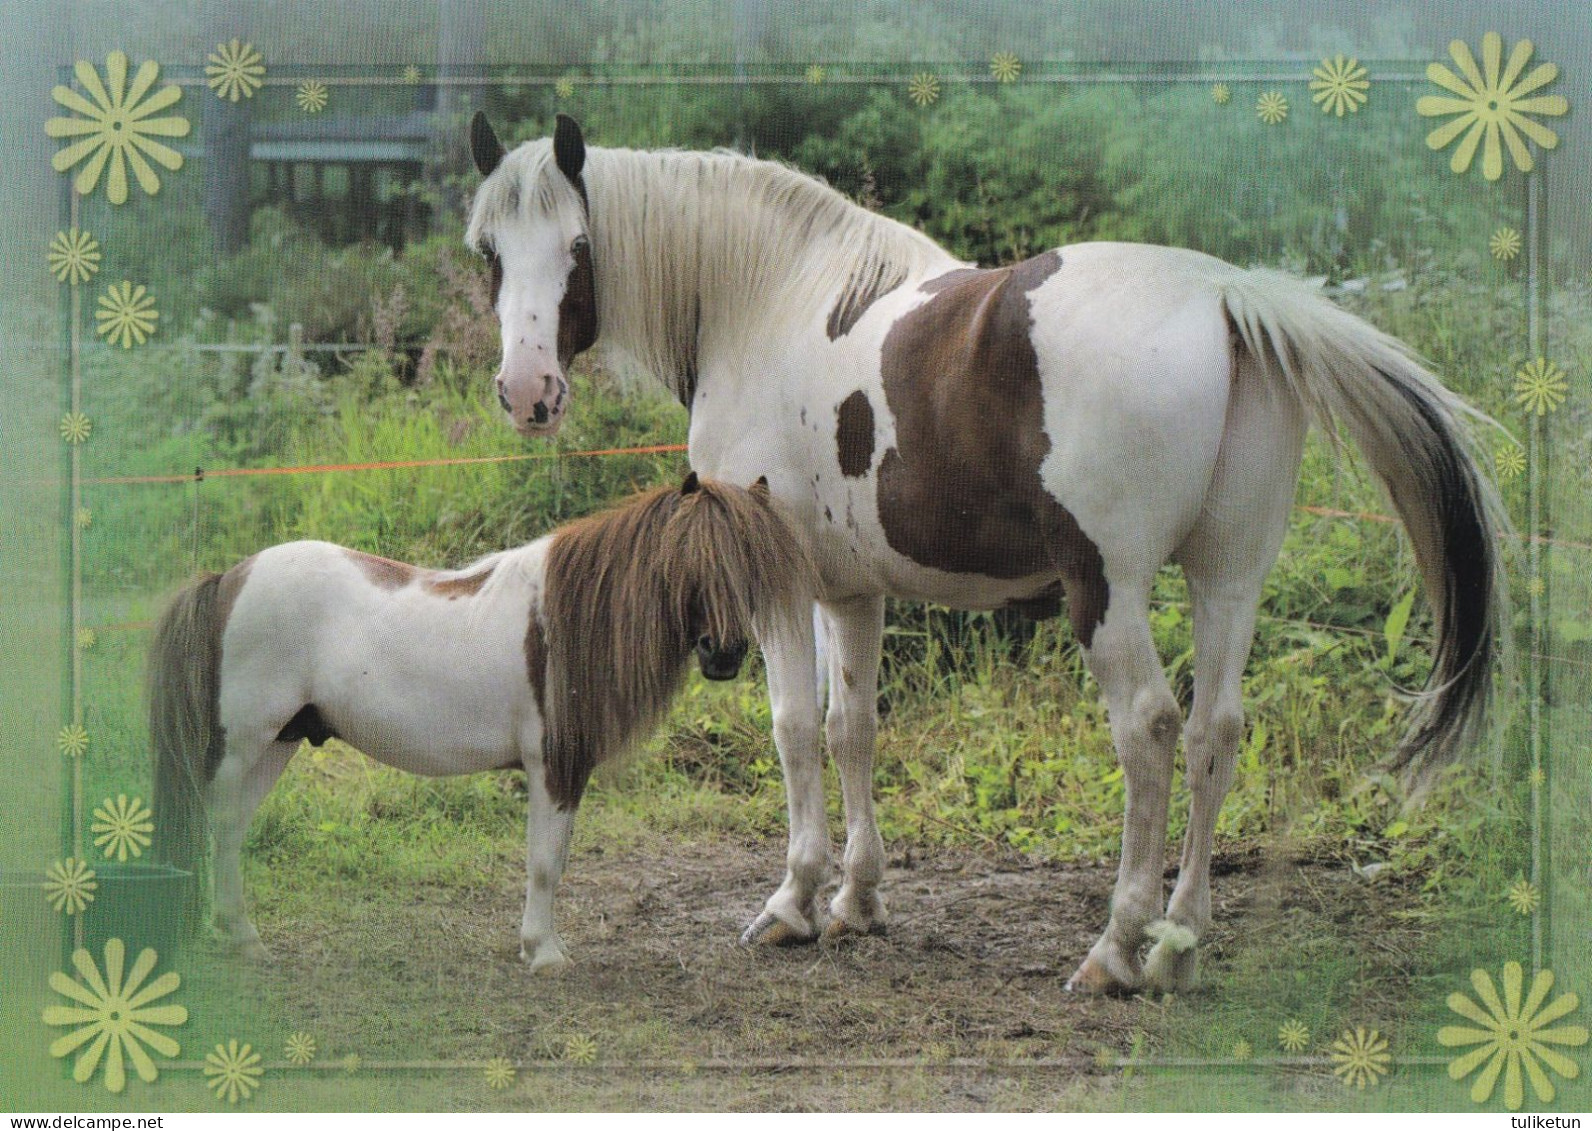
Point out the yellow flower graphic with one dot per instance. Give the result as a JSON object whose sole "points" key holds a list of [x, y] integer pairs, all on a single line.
{"points": [[74, 256], [500, 1073], [1536, 587], [72, 740], [352, 1063], [1491, 105], [1524, 896], [1293, 1036], [580, 1049], [1340, 85], [116, 128], [1221, 94], [1504, 244], [126, 315], [1361, 1057], [564, 88], [311, 96], [300, 1048], [69, 885], [1510, 460], [1539, 777], [1242, 1049], [816, 74], [1271, 107], [1005, 67], [114, 1015], [411, 74], [1513, 1034], [1540, 387], [235, 70], [234, 1071], [86, 638], [924, 88], [75, 427], [122, 827], [85, 518]]}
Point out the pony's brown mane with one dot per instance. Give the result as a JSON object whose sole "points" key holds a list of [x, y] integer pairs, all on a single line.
{"points": [[618, 604]]}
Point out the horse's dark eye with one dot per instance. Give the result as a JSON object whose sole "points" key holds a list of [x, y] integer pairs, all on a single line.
{"points": [[580, 244]]}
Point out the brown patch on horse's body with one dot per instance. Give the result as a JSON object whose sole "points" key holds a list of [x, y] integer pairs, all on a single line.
{"points": [[961, 491], [228, 586], [854, 435], [383, 573], [455, 587]]}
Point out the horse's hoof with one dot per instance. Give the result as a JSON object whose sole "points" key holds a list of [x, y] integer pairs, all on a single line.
{"points": [[770, 930], [546, 958], [1172, 965], [840, 929], [1093, 978]]}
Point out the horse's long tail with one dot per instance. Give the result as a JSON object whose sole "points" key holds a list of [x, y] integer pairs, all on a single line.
{"points": [[183, 726], [1415, 435]]}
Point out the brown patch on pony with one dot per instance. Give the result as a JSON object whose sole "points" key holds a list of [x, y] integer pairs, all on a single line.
{"points": [[961, 491], [383, 573], [626, 592], [228, 586], [455, 587], [577, 310], [854, 435]]}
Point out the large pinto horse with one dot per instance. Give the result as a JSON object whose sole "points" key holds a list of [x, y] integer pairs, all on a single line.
{"points": [[1044, 435]]}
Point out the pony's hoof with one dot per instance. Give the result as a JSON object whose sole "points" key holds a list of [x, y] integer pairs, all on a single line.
{"points": [[1173, 962], [770, 930], [842, 929], [1094, 978]]}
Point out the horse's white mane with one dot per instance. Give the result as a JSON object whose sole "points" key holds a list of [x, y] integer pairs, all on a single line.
{"points": [[703, 253]]}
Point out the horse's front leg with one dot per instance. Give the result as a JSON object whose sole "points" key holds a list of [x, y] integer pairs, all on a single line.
{"points": [[790, 654], [547, 832], [855, 634]]}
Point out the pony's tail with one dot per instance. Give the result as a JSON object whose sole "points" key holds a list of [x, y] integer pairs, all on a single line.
{"points": [[1415, 435], [183, 726]]}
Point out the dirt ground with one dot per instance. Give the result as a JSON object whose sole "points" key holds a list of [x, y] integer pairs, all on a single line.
{"points": [[959, 1006]]}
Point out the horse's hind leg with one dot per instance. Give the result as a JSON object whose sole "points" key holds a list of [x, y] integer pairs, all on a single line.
{"points": [[1226, 558], [241, 783], [856, 631], [1145, 723]]}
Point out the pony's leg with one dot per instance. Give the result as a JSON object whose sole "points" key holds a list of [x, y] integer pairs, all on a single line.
{"points": [[789, 653], [1145, 724], [855, 630], [240, 784], [547, 832]]}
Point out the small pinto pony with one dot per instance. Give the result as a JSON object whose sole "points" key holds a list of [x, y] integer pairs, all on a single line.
{"points": [[555, 657]]}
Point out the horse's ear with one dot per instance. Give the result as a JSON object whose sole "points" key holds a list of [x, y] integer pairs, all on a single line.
{"points": [[569, 147], [485, 147], [691, 485], [759, 490]]}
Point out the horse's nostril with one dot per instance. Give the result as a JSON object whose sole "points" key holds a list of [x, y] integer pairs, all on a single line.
{"points": [[503, 399], [539, 413]]}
